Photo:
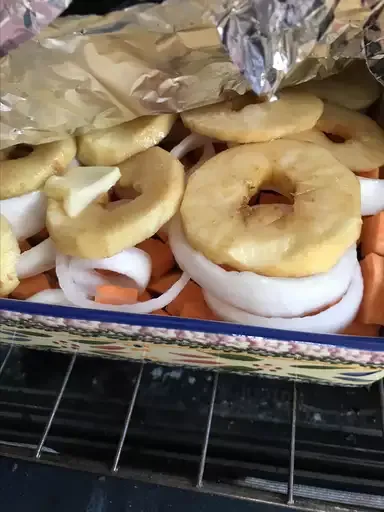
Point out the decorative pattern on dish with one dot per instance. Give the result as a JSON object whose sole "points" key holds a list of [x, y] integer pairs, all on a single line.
{"points": [[267, 357]]}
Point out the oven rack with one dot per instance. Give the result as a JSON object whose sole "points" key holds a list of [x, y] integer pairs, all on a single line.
{"points": [[306, 485]]}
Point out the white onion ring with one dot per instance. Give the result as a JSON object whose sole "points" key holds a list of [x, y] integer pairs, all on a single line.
{"points": [[260, 295], [193, 141], [332, 320], [84, 275], [132, 263], [26, 214], [50, 297], [36, 260], [78, 296], [89, 280], [372, 196], [74, 163], [208, 153]]}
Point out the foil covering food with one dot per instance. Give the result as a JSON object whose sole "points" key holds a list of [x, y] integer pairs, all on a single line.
{"points": [[275, 42], [267, 38], [85, 73], [374, 44], [20, 20]]}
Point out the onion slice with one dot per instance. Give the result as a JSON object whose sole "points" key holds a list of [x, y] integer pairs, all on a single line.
{"points": [[50, 297], [79, 296], [208, 153], [88, 280], [372, 196], [74, 163], [133, 266], [132, 263], [331, 320], [188, 144], [39, 259], [26, 214], [260, 295]]}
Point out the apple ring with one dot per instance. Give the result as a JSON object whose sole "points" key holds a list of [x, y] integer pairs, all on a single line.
{"points": [[118, 143], [354, 88], [28, 173], [242, 120], [273, 240], [9, 255], [101, 231], [364, 139]]}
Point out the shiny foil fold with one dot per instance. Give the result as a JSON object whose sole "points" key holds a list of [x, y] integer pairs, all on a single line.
{"points": [[20, 20], [374, 44], [267, 39], [85, 73], [279, 42]]}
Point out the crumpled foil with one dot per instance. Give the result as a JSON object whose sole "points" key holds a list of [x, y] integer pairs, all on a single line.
{"points": [[374, 44], [266, 38], [20, 20], [84, 73], [275, 42]]}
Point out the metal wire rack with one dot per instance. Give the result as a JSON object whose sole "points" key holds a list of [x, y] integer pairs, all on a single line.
{"points": [[224, 440]]}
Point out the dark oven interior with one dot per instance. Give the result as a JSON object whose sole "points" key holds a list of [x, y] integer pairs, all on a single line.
{"points": [[272, 441]]}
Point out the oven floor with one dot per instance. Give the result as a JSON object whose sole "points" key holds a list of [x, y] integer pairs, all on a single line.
{"points": [[41, 488]]}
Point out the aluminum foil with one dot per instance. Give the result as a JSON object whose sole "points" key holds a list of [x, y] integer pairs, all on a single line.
{"points": [[20, 20], [278, 42], [84, 73], [266, 39], [374, 44]]}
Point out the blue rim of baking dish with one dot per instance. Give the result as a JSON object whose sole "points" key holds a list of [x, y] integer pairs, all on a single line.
{"points": [[374, 344]]}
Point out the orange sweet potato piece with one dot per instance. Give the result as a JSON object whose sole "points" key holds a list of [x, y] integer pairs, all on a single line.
{"points": [[161, 256], [31, 285], [24, 245], [160, 312], [39, 237], [52, 278], [163, 235], [197, 309], [359, 329], [107, 273], [372, 235], [371, 173], [164, 283], [191, 293], [144, 296], [372, 306], [116, 295]]}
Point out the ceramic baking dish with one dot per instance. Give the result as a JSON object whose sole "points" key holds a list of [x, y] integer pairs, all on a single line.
{"points": [[325, 358]]}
